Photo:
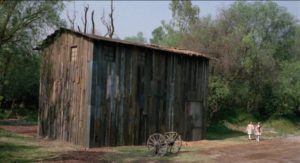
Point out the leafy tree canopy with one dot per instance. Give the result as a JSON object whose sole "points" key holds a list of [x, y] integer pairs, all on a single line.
{"points": [[253, 43], [22, 25], [139, 38]]}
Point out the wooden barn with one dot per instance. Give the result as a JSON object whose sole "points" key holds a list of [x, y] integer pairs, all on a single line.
{"points": [[96, 91]]}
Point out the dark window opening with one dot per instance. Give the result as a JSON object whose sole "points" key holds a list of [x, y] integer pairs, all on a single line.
{"points": [[109, 53], [74, 52]]}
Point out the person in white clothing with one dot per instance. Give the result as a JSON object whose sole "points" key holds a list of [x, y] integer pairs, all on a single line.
{"points": [[258, 131], [250, 129]]}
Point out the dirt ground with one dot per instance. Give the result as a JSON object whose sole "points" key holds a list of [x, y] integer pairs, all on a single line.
{"points": [[267, 151], [19, 127], [26, 130]]}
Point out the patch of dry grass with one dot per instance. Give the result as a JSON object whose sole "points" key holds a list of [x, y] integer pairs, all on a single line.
{"points": [[141, 154], [21, 148]]}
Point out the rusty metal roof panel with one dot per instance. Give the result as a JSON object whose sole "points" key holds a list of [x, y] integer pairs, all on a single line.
{"points": [[51, 37]]}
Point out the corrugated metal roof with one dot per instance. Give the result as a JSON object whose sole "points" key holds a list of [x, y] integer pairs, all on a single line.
{"points": [[101, 38]]}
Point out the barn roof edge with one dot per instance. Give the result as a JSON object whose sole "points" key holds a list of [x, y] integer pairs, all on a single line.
{"points": [[50, 38]]}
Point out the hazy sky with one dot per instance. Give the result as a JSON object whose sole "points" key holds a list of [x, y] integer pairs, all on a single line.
{"points": [[132, 17]]}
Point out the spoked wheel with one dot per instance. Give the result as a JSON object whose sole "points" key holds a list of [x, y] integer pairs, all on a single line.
{"points": [[156, 143], [174, 141]]}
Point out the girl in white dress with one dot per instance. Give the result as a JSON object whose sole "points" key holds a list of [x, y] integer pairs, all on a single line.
{"points": [[250, 129]]}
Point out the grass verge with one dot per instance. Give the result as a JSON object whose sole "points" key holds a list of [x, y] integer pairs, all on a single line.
{"points": [[20, 115], [20, 148], [141, 154], [235, 128]]}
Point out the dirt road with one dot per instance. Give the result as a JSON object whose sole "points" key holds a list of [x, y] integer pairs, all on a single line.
{"points": [[283, 150], [267, 151]]}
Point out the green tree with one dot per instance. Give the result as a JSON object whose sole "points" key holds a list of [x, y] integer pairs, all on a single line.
{"points": [[158, 35], [250, 41], [22, 25], [265, 32], [219, 92], [22, 79], [184, 16], [288, 88], [295, 49], [139, 38], [23, 18]]}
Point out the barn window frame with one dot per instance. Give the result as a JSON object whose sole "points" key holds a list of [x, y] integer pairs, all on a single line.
{"points": [[73, 53], [109, 53]]}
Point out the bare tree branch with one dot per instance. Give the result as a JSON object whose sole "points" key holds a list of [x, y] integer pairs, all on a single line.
{"points": [[27, 20], [110, 23], [93, 23], [84, 19], [71, 20], [78, 28], [86, 9], [112, 27], [105, 24], [3, 28]]}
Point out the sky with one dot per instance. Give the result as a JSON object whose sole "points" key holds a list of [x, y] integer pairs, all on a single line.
{"points": [[131, 17]]}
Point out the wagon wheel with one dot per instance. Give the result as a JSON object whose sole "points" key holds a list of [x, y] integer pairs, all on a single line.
{"points": [[174, 141], [156, 143]]}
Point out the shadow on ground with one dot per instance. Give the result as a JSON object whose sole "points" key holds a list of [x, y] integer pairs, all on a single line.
{"points": [[9, 147], [220, 132], [80, 156], [120, 154], [15, 153], [17, 122]]}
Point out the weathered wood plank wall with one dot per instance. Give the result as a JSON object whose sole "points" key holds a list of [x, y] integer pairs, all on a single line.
{"points": [[138, 91], [64, 90], [118, 94]]}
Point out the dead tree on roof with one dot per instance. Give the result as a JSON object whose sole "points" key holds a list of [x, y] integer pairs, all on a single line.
{"points": [[73, 18], [78, 28], [93, 23], [111, 19], [109, 24], [86, 9], [84, 20]]}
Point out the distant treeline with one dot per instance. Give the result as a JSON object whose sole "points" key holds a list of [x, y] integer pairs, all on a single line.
{"points": [[257, 50]]}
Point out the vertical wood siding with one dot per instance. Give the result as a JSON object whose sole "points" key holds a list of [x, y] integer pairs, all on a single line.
{"points": [[138, 91], [115, 94], [64, 98]]}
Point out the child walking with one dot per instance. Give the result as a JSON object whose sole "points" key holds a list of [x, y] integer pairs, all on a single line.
{"points": [[258, 131], [250, 129]]}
